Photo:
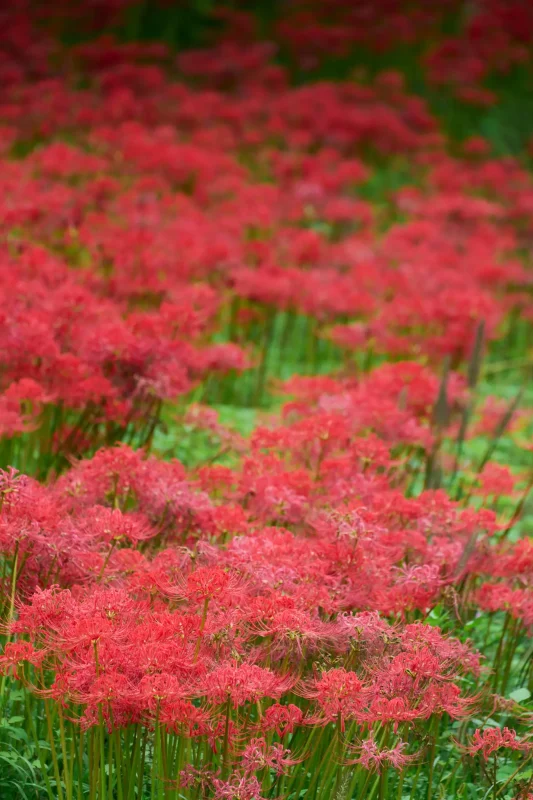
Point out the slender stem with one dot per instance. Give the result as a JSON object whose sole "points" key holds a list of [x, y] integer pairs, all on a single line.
{"points": [[155, 755], [435, 732], [10, 614], [225, 747], [53, 751], [66, 775], [44, 771], [504, 786]]}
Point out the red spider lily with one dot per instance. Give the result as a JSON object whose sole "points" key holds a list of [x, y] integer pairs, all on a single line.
{"points": [[281, 718], [291, 631], [496, 480], [16, 654], [372, 757], [205, 584], [244, 683], [489, 740], [237, 788], [210, 221], [190, 776], [338, 694], [257, 756]]}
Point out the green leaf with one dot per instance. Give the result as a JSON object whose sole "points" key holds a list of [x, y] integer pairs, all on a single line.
{"points": [[520, 694], [19, 733]]}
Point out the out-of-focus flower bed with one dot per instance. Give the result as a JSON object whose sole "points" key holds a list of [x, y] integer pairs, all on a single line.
{"points": [[265, 401]]}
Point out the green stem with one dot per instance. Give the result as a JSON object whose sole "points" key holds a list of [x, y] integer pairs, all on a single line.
{"points": [[10, 613], [155, 758], [225, 747], [66, 775], [29, 718], [504, 786], [435, 726], [53, 751]]}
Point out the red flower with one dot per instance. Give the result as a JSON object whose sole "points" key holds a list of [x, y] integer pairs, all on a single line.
{"points": [[489, 740]]}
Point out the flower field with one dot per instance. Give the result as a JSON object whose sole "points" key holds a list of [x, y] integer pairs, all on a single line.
{"points": [[266, 404]]}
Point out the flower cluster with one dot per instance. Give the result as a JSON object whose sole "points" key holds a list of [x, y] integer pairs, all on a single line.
{"points": [[319, 602]]}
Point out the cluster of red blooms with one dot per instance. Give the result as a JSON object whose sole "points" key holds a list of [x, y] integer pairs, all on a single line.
{"points": [[198, 640], [245, 575], [69, 345], [230, 603], [493, 37], [334, 472], [239, 196], [134, 653], [161, 217], [490, 37], [233, 606]]}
